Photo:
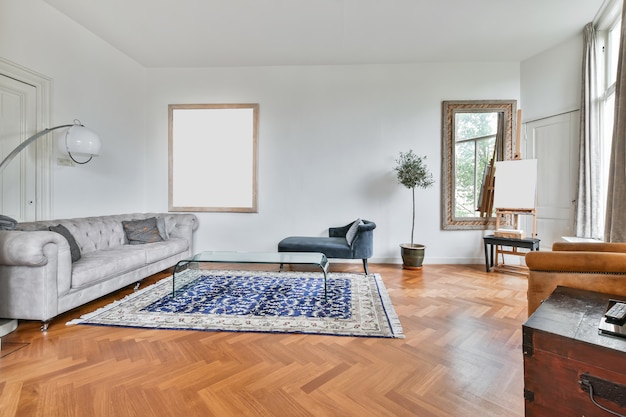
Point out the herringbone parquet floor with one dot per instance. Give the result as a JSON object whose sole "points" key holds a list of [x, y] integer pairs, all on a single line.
{"points": [[461, 356]]}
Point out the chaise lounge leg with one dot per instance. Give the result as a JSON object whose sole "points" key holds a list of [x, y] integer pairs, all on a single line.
{"points": [[365, 267]]}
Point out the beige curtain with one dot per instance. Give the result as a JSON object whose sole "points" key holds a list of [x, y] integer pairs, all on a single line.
{"points": [[615, 230], [587, 222]]}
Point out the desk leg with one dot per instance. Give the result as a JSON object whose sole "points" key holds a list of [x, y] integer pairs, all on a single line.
{"points": [[499, 249], [486, 257]]}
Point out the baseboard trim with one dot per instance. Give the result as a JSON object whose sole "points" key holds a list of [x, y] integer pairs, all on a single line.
{"points": [[432, 260]]}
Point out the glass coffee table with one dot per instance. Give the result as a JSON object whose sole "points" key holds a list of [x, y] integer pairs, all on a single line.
{"points": [[279, 258]]}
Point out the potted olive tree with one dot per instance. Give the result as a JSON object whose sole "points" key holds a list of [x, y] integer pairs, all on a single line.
{"points": [[412, 172]]}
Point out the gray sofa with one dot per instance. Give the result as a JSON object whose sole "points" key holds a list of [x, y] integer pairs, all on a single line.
{"points": [[39, 280]]}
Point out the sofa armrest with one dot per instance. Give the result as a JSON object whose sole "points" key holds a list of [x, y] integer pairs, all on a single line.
{"points": [[577, 261], [19, 248]]}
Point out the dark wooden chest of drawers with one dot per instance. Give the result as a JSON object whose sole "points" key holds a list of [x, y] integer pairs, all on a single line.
{"points": [[565, 357]]}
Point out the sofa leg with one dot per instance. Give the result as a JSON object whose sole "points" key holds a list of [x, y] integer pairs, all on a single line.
{"points": [[44, 325], [367, 272]]}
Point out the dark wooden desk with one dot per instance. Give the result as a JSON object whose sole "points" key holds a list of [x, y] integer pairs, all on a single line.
{"points": [[564, 353], [491, 241]]}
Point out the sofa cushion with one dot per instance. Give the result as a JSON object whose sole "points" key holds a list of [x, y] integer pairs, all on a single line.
{"points": [[103, 264], [162, 228], [353, 230], [7, 223], [332, 247], [162, 250], [74, 249], [142, 231]]}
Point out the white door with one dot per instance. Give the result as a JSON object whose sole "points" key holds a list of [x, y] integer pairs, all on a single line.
{"points": [[553, 141], [18, 121]]}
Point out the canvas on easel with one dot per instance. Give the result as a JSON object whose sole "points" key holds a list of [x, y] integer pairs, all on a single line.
{"points": [[515, 194], [516, 184]]}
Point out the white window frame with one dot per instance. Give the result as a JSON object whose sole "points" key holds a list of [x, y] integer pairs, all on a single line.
{"points": [[607, 23]]}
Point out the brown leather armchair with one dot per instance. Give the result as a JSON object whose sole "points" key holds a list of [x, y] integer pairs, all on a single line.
{"points": [[599, 267]]}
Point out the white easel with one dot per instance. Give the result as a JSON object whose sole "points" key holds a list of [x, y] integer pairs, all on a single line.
{"points": [[516, 232], [515, 196]]}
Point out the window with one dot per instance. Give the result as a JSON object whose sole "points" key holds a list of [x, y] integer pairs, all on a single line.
{"points": [[610, 40]]}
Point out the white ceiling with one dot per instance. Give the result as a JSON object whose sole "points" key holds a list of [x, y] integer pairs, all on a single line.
{"points": [[204, 33]]}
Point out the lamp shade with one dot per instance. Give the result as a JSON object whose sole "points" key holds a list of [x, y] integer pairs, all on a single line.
{"points": [[81, 141]]}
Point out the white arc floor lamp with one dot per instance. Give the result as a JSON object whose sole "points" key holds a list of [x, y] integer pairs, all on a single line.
{"points": [[79, 142]]}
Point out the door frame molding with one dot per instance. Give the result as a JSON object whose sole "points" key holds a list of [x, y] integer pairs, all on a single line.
{"points": [[45, 148]]}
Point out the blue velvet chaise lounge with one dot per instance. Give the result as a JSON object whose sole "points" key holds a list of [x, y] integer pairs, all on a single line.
{"points": [[352, 241]]}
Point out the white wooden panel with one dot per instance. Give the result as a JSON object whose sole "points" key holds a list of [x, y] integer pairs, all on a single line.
{"points": [[18, 112], [553, 142]]}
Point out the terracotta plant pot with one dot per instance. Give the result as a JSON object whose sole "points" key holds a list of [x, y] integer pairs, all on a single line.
{"points": [[412, 255]]}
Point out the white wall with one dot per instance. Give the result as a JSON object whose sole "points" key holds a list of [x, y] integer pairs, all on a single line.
{"points": [[328, 139], [92, 82], [550, 81], [328, 135], [551, 86]]}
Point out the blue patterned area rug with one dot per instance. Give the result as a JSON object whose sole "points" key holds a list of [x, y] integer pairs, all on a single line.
{"points": [[248, 301]]}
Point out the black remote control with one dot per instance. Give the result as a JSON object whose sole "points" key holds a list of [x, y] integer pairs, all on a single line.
{"points": [[617, 313]]}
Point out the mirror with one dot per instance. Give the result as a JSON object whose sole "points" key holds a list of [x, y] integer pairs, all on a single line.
{"points": [[469, 133]]}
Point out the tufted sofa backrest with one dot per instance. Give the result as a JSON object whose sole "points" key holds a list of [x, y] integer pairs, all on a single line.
{"points": [[96, 233]]}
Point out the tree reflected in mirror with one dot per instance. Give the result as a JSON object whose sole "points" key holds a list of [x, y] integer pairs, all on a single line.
{"points": [[475, 139]]}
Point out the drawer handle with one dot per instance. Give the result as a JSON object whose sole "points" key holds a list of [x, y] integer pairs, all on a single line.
{"points": [[586, 385]]}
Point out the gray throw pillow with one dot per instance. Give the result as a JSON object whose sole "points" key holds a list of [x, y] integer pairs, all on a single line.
{"points": [[162, 228], [142, 231], [7, 223], [74, 249], [352, 231]]}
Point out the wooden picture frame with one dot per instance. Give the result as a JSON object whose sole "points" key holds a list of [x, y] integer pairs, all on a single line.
{"points": [[213, 152]]}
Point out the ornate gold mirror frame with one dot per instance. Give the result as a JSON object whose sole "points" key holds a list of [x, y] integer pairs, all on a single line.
{"points": [[450, 218]]}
